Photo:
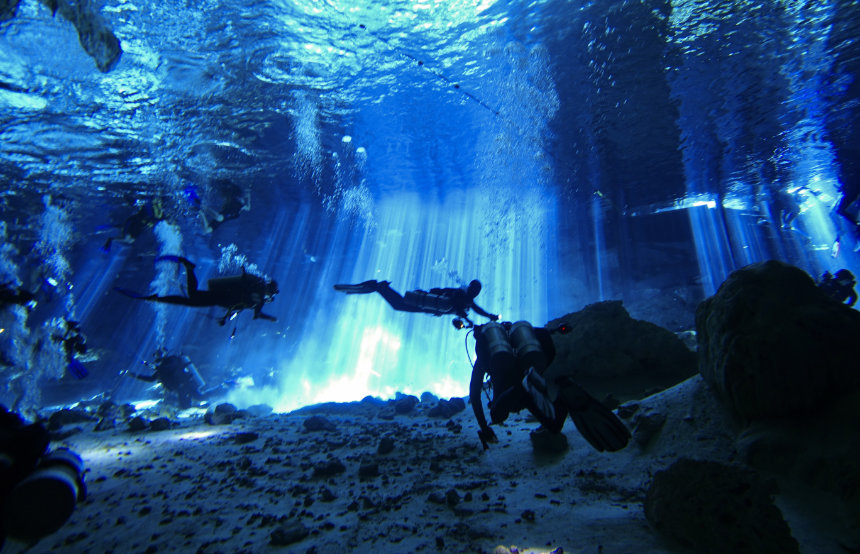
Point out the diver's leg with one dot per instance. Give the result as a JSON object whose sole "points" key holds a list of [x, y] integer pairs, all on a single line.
{"points": [[395, 299], [189, 271], [362, 288]]}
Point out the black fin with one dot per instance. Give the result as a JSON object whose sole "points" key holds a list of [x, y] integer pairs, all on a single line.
{"points": [[176, 259], [136, 295], [597, 423]]}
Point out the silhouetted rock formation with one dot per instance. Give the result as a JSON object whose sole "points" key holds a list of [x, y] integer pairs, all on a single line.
{"points": [[772, 344], [613, 355], [715, 508]]}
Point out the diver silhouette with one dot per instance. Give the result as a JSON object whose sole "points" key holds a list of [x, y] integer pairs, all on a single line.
{"points": [[147, 216], [438, 301], [177, 375], [10, 294], [839, 287], [235, 293], [515, 356]]}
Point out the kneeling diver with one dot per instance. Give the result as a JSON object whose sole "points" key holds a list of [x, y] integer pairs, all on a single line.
{"points": [[236, 293], [438, 301], [515, 356]]}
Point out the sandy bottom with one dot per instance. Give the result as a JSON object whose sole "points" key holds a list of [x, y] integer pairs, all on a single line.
{"points": [[262, 480]]}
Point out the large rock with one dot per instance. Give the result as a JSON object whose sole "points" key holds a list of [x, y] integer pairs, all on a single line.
{"points": [[715, 508], [772, 344], [613, 355]]}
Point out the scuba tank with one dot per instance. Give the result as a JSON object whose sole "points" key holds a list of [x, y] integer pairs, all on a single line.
{"points": [[41, 503], [498, 348], [191, 370], [435, 303], [527, 347], [226, 284]]}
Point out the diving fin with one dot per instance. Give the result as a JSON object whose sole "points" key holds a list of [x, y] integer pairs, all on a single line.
{"points": [[176, 259], [597, 424], [361, 288], [135, 295]]}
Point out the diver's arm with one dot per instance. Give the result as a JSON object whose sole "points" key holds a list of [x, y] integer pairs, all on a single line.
{"points": [[476, 385], [480, 311]]}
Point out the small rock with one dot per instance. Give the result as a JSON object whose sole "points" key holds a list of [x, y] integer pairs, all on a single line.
{"points": [[318, 423], [67, 416], [405, 404], [436, 498], [137, 424], [447, 408], [328, 469], [428, 397], [386, 445], [326, 495], [288, 533], [160, 424], [105, 424], [245, 437], [222, 414], [452, 497], [547, 442], [647, 426]]}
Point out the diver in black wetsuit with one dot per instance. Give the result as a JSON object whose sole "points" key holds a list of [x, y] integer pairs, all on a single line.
{"points": [[178, 375], [439, 301], [147, 216], [10, 294], [516, 355], [237, 293], [839, 287]]}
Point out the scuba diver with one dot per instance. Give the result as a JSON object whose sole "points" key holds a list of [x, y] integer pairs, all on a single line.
{"points": [[147, 216], [236, 293], [178, 375], [515, 355], [10, 295], [74, 343], [439, 301], [231, 201], [839, 287]]}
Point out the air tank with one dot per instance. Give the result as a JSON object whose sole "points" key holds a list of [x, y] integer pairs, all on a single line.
{"points": [[527, 346]]}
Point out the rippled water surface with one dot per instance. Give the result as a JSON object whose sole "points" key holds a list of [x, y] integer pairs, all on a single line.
{"points": [[563, 152]]}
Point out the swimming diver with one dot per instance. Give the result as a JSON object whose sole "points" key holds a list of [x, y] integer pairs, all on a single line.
{"points": [[236, 293], [439, 301], [147, 216]]}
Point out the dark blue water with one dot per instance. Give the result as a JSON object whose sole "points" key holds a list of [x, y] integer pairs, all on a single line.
{"points": [[561, 152]]}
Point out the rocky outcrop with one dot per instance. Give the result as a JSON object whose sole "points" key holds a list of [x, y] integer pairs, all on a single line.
{"points": [[616, 357], [715, 508], [771, 344]]}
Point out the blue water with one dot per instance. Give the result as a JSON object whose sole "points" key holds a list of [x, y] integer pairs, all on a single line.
{"points": [[561, 152]]}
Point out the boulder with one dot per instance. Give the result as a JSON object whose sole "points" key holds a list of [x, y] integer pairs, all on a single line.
{"points": [[772, 344], [715, 508], [613, 355]]}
